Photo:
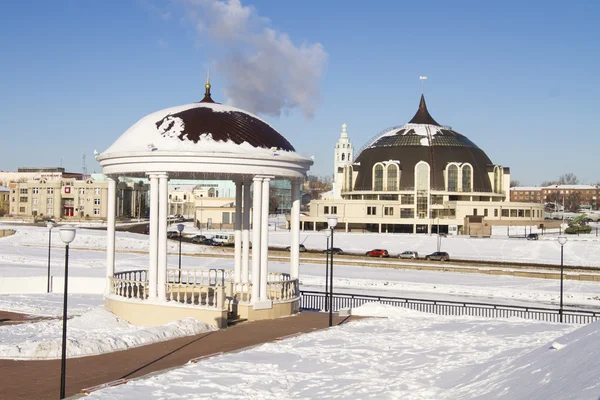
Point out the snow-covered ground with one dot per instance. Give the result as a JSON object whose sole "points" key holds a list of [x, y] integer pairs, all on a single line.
{"points": [[408, 355]]}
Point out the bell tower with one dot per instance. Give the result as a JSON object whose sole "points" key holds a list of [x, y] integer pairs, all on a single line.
{"points": [[343, 156]]}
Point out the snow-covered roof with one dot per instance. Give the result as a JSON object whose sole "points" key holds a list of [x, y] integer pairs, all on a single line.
{"points": [[529, 188], [4, 189], [570, 187], [201, 128]]}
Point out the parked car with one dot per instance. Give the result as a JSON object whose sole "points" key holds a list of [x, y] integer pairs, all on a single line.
{"points": [[211, 242], [409, 254], [438, 256], [172, 234], [334, 250], [377, 253], [198, 239], [532, 236], [147, 230], [301, 248]]}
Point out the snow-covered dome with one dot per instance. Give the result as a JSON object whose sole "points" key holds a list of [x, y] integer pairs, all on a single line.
{"points": [[204, 127], [422, 139], [204, 140]]}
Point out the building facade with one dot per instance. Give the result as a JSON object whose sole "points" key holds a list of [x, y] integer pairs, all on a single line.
{"points": [[421, 177], [67, 198], [4, 200], [588, 195]]}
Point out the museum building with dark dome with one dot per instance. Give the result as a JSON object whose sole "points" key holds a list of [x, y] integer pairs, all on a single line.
{"points": [[420, 177]]}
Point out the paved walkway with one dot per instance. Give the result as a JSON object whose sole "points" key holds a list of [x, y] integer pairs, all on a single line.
{"points": [[41, 379]]}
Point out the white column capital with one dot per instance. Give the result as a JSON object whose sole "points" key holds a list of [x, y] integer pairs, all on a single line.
{"points": [[157, 175]]}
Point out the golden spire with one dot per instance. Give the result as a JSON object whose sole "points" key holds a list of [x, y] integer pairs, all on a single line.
{"points": [[207, 98], [207, 86]]}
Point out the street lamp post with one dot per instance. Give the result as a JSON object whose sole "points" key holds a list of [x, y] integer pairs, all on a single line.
{"points": [[180, 229], [328, 235], [332, 222], [66, 235], [561, 240], [50, 225]]}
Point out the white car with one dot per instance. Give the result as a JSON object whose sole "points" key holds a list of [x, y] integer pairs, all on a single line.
{"points": [[409, 254]]}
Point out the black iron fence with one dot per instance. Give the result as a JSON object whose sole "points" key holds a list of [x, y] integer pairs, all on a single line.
{"points": [[310, 300]]}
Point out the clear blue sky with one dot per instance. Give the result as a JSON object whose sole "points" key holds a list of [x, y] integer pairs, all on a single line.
{"points": [[520, 79]]}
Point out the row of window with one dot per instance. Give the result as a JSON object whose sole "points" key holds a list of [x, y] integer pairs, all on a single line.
{"points": [[50, 200], [49, 211], [51, 191]]}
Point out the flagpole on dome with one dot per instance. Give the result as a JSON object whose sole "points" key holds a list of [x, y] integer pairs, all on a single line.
{"points": [[422, 79]]}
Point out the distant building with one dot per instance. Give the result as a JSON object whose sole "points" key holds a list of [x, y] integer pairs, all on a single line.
{"points": [[67, 198], [420, 177], [4, 200], [589, 195]]}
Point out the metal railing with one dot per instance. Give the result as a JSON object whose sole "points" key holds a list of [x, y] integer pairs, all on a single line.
{"points": [[310, 300]]}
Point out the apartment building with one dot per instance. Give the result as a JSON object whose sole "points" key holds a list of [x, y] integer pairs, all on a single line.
{"points": [[66, 198]]}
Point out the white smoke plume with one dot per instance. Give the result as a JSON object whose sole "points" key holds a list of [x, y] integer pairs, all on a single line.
{"points": [[266, 72]]}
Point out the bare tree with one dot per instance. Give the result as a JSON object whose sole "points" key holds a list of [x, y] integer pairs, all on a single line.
{"points": [[572, 202], [568, 179], [514, 183], [548, 183]]}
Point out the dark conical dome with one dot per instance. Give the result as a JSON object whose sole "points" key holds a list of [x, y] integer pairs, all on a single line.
{"points": [[422, 116], [422, 139]]}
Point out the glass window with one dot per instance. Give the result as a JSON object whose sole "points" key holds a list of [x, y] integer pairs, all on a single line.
{"points": [[422, 186], [378, 181], [97, 202], [35, 190], [452, 178], [326, 210], [392, 178], [466, 178], [334, 209], [388, 210], [96, 211], [407, 213], [495, 212], [343, 157], [23, 191], [50, 190], [407, 199]]}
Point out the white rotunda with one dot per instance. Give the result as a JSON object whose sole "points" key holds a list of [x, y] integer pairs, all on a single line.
{"points": [[205, 140]]}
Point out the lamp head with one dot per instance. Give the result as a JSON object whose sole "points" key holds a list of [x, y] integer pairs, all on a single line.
{"points": [[332, 221], [562, 240], [180, 227], [327, 233], [67, 234], [50, 224]]}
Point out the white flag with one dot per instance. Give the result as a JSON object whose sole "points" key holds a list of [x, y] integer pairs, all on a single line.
{"points": [[422, 78]]}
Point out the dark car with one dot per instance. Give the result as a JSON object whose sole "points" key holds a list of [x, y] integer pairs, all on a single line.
{"points": [[172, 234], [438, 256], [147, 230], [301, 248], [211, 242], [409, 254], [532, 236], [334, 250], [198, 239], [377, 253]]}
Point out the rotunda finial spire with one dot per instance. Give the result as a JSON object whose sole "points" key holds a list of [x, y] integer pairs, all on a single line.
{"points": [[344, 131], [207, 98]]}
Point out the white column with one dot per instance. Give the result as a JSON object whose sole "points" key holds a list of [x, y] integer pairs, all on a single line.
{"points": [[153, 271], [238, 233], [163, 198], [246, 233], [295, 231], [264, 240], [256, 220], [110, 232]]}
